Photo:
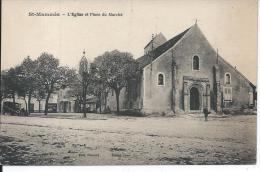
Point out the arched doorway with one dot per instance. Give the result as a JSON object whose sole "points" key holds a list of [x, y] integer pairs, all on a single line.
{"points": [[194, 99]]}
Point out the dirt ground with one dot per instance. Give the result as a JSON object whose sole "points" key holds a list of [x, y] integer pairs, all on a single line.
{"points": [[67, 139]]}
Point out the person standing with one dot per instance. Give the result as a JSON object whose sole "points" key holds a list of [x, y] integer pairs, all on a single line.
{"points": [[206, 113]]}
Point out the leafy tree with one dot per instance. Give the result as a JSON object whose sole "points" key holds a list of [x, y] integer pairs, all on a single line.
{"points": [[99, 88], [22, 86], [28, 80], [20, 80], [40, 95], [76, 91], [51, 76], [10, 86], [115, 69], [3, 90]]}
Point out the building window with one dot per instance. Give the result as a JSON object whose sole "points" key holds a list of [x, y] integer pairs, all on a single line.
{"points": [[227, 94], [196, 63], [160, 79], [227, 78]]}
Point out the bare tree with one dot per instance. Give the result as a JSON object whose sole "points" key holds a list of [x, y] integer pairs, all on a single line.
{"points": [[86, 77]]}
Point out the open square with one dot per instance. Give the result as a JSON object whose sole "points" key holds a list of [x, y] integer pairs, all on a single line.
{"points": [[68, 139]]}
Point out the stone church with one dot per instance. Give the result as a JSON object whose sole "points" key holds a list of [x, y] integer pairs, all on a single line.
{"points": [[184, 74]]}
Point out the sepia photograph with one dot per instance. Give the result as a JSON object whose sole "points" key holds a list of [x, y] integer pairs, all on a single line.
{"points": [[153, 82]]}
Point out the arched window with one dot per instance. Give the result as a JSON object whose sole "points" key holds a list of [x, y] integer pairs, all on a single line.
{"points": [[227, 78], [196, 63], [160, 79]]}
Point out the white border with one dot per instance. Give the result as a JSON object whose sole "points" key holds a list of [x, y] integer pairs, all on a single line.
{"points": [[155, 168]]}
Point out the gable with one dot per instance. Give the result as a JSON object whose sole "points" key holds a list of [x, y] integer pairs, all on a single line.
{"points": [[234, 70], [151, 56], [158, 40], [221, 61], [209, 59]]}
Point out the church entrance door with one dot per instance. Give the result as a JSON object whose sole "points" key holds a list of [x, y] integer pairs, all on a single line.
{"points": [[194, 99]]}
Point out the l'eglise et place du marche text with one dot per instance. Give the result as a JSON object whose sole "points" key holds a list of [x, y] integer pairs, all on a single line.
{"points": [[72, 14]]}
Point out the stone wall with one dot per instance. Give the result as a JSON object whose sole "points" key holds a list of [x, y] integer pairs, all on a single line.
{"points": [[160, 98], [195, 43], [157, 98], [176, 65]]}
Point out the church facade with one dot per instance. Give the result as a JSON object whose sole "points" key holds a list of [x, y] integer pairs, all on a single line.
{"points": [[185, 74]]}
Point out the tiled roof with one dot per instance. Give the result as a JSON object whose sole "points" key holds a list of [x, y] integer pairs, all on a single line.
{"points": [[146, 59]]}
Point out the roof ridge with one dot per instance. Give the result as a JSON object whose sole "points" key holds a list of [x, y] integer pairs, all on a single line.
{"points": [[175, 37], [145, 59], [242, 75], [160, 33]]}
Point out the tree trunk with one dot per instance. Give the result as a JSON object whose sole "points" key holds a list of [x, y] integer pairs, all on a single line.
{"points": [[26, 106], [39, 105], [46, 103], [100, 104], [13, 103], [105, 101], [84, 107], [84, 101], [1, 107], [29, 102], [78, 106], [117, 100]]}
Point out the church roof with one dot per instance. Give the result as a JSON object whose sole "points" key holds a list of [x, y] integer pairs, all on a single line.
{"points": [[146, 59], [159, 36]]}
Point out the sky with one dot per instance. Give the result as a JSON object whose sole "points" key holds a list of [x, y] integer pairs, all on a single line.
{"points": [[229, 25]]}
